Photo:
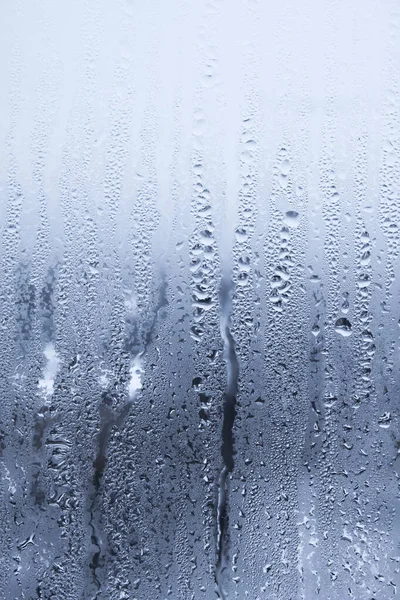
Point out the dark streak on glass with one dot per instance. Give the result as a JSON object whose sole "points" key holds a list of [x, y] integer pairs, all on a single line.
{"points": [[227, 449], [109, 420]]}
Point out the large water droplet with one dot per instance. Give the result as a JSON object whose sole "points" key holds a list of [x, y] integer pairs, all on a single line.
{"points": [[285, 167], [343, 326], [241, 234], [292, 219]]}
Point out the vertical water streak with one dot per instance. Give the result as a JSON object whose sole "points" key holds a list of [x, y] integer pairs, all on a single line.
{"points": [[229, 414]]}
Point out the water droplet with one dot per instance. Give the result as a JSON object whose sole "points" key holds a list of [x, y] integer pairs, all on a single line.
{"points": [[285, 167], [384, 420], [241, 234], [246, 157], [292, 219], [283, 181], [365, 258], [343, 327]]}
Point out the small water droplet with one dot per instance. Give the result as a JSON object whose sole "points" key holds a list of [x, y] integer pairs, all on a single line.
{"points": [[299, 191], [315, 330], [246, 157], [384, 420]]}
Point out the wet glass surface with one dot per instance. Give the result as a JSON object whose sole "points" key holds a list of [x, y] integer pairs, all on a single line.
{"points": [[200, 279]]}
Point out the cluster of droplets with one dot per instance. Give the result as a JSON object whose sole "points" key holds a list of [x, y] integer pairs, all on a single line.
{"points": [[364, 275], [281, 280], [242, 250], [202, 249]]}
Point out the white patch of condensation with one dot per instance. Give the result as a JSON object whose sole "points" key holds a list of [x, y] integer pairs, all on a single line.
{"points": [[130, 302], [136, 372], [104, 379], [51, 368], [12, 488]]}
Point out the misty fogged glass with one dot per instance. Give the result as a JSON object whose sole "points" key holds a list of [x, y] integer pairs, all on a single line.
{"points": [[200, 267]]}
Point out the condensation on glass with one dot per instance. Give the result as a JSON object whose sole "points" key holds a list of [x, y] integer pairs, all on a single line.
{"points": [[200, 282]]}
